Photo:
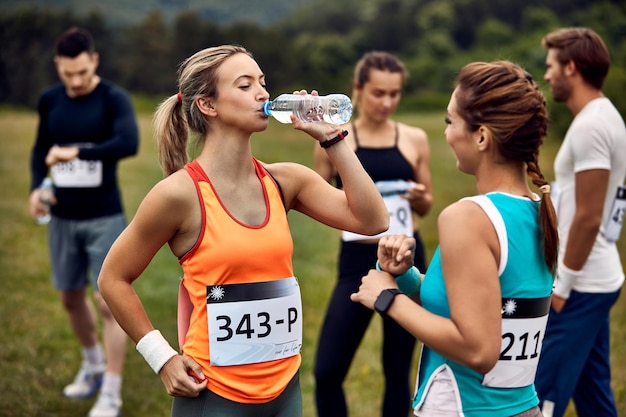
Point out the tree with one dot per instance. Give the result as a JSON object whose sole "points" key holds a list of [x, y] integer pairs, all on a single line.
{"points": [[145, 57], [326, 63], [494, 36], [315, 47], [192, 34]]}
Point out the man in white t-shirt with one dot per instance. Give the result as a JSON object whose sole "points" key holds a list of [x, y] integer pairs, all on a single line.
{"points": [[590, 169]]}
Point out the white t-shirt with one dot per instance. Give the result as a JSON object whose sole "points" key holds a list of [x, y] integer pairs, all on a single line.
{"points": [[596, 139]]}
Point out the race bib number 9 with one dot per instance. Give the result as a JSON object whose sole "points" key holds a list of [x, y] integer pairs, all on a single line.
{"points": [[523, 328], [400, 220], [77, 173], [254, 322]]}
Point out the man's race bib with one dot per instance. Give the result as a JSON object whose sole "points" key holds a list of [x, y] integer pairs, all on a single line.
{"points": [[77, 173], [523, 328], [254, 322], [613, 224], [400, 214]]}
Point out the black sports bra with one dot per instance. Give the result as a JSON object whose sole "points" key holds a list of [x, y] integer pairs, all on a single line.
{"points": [[382, 164]]}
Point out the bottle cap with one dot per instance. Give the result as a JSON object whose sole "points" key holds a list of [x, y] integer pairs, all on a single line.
{"points": [[266, 108]]}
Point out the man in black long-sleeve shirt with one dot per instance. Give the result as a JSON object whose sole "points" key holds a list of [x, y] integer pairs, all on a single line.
{"points": [[86, 126]]}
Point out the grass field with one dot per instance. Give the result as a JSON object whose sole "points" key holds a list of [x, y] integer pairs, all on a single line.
{"points": [[39, 355]]}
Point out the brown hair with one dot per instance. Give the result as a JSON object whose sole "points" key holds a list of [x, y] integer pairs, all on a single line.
{"points": [[504, 98], [176, 115], [585, 48], [375, 60]]}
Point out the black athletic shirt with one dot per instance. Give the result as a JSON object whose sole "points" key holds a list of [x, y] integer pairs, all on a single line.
{"points": [[103, 124]]}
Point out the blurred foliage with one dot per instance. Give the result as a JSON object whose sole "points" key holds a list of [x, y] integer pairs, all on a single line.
{"points": [[124, 12], [315, 46]]}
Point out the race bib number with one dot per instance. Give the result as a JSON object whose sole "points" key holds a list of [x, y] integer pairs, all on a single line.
{"points": [[400, 220], [77, 173], [254, 322], [613, 224], [523, 328]]}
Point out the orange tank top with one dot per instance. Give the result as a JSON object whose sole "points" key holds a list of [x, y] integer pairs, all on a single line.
{"points": [[229, 252]]}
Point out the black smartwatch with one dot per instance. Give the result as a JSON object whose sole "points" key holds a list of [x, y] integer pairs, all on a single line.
{"points": [[384, 300]]}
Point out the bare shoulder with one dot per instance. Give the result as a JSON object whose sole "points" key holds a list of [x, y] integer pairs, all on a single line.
{"points": [[283, 169], [413, 142], [469, 244], [291, 177], [415, 134], [463, 218], [171, 213], [177, 187], [289, 172], [174, 195], [285, 173]]}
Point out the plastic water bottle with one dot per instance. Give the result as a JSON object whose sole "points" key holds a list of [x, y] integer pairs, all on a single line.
{"points": [[46, 194], [333, 108]]}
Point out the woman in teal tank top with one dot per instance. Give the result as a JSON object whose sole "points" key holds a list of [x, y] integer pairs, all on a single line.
{"points": [[482, 307]]}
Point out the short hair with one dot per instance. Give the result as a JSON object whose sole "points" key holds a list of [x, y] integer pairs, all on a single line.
{"points": [[585, 48], [74, 42]]}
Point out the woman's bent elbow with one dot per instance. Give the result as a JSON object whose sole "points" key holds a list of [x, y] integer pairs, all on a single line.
{"points": [[104, 286], [483, 363], [485, 367], [379, 227]]}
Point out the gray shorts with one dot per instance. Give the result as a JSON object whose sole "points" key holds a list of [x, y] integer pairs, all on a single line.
{"points": [[78, 248]]}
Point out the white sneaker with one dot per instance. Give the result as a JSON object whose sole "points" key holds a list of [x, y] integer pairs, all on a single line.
{"points": [[107, 405], [86, 383]]}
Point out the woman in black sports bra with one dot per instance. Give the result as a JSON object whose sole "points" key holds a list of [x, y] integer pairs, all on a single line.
{"points": [[397, 157]]}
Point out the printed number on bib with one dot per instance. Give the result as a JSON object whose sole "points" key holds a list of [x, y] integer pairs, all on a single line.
{"points": [[77, 173], [523, 328], [255, 322], [613, 224], [400, 220]]}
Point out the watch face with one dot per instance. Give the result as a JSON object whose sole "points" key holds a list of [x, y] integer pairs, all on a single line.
{"points": [[384, 300]]}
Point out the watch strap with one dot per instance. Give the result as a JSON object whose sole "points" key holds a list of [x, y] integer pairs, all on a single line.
{"points": [[330, 142]]}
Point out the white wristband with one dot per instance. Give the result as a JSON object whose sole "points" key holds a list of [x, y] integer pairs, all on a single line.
{"points": [[155, 350], [565, 280]]}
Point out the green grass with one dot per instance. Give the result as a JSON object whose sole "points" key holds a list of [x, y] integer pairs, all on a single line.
{"points": [[39, 355]]}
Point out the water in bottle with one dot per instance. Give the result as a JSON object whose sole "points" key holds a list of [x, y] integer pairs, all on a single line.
{"points": [[45, 197], [333, 108]]}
